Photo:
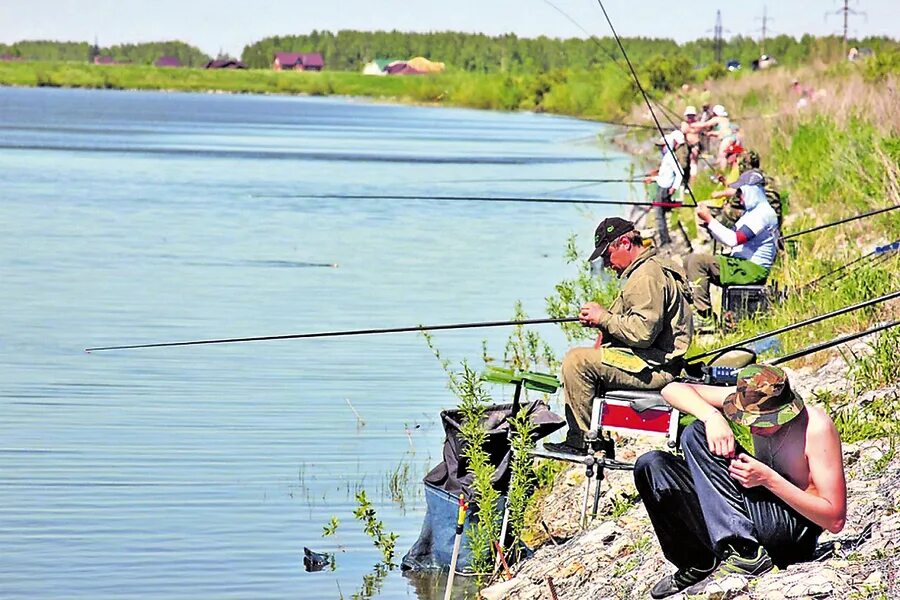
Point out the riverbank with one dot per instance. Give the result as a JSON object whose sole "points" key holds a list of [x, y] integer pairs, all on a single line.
{"points": [[603, 93], [833, 157]]}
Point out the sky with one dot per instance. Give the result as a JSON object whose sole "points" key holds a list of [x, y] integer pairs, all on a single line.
{"points": [[216, 24]]}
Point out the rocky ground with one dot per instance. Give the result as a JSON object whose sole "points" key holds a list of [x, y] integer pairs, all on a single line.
{"points": [[618, 556]]}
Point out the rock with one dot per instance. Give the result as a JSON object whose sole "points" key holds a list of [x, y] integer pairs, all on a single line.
{"points": [[501, 590]]}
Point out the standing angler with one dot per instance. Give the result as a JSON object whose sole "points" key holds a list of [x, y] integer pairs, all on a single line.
{"points": [[668, 179], [646, 331]]}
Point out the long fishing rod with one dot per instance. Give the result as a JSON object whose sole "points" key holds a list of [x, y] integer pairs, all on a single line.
{"points": [[325, 334], [471, 199], [879, 254], [842, 221], [548, 180], [791, 327], [637, 82], [835, 342], [606, 51]]}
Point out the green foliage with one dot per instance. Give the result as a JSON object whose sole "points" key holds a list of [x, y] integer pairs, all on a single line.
{"points": [[523, 477], [525, 350], [879, 67], [483, 531], [140, 54], [572, 293], [374, 528], [879, 368], [331, 528], [873, 421]]}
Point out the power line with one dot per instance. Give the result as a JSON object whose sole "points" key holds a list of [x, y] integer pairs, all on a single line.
{"points": [[764, 29], [846, 11]]}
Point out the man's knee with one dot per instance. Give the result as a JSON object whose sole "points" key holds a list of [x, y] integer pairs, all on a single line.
{"points": [[575, 361], [651, 471]]}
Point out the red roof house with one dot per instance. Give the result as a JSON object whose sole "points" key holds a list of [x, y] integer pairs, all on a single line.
{"points": [[298, 61]]}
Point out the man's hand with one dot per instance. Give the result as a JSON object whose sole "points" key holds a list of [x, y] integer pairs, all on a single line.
{"points": [[719, 436], [648, 180], [590, 314], [703, 214], [749, 472], [671, 191]]}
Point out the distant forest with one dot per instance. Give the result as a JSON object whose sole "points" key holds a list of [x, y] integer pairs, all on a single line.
{"points": [[139, 54], [350, 50]]}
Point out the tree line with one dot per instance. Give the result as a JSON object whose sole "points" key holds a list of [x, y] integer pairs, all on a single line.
{"points": [[139, 54], [349, 50]]}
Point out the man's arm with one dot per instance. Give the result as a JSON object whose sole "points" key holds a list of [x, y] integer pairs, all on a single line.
{"points": [[704, 402], [642, 312]]}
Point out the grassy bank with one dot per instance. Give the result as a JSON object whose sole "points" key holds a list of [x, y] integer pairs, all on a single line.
{"points": [[602, 93], [837, 156]]}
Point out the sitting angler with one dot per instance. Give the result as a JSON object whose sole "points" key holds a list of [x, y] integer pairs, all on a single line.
{"points": [[743, 507], [753, 242], [646, 330]]}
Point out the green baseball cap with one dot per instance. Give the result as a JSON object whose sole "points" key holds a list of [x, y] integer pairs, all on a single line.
{"points": [[764, 398]]}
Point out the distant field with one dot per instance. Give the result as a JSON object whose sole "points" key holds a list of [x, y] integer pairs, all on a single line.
{"points": [[596, 94]]}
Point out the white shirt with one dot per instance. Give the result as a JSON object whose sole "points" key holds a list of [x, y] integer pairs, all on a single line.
{"points": [[669, 174], [760, 223]]}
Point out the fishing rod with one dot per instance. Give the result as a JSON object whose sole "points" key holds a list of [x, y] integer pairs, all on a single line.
{"points": [[473, 199], [835, 342], [637, 82], [791, 327], [880, 254], [842, 221], [324, 334], [547, 180], [608, 53]]}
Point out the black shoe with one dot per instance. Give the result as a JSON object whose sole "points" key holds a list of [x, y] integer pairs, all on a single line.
{"points": [[566, 447], [680, 580], [753, 566]]}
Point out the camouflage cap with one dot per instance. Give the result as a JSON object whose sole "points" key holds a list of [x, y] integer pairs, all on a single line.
{"points": [[764, 398], [749, 160]]}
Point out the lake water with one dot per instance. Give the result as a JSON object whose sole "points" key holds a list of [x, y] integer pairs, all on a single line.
{"points": [[202, 472]]}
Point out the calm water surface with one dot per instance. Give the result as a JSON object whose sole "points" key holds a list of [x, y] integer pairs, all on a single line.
{"points": [[202, 472]]}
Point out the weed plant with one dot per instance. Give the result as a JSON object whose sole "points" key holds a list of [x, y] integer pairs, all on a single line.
{"points": [[384, 541]]}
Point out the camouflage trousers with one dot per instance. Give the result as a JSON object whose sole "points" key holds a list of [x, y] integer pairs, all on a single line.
{"points": [[584, 376]]}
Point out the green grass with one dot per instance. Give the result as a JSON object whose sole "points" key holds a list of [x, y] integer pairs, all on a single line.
{"points": [[601, 94]]}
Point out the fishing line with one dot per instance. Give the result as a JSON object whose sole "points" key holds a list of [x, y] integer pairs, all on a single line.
{"points": [[835, 342], [473, 199], [842, 221], [799, 324], [608, 53], [543, 180], [876, 257], [352, 332], [637, 81]]}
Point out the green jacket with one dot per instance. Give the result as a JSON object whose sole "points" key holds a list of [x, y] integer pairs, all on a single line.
{"points": [[652, 314]]}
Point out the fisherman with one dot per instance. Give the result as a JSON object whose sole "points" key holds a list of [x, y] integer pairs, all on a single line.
{"points": [[692, 140], [753, 243], [668, 178], [749, 161], [646, 331], [718, 127], [727, 509]]}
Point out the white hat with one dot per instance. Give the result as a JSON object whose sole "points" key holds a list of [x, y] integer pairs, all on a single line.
{"points": [[671, 139], [690, 110], [720, 111]]}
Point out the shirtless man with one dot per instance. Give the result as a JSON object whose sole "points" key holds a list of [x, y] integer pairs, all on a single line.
{"points": [[728, 509], [718, 127], [692, 140]]}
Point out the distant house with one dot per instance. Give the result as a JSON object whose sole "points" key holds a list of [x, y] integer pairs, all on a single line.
{"points": [[400, 67], [167, 61], [104, 60], [377, 66], [297, 61], [9, 57], [225, 63]]}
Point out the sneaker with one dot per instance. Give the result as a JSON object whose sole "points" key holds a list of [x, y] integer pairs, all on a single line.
{"points": [[680, 580], [566, 447], [735, 564]]}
